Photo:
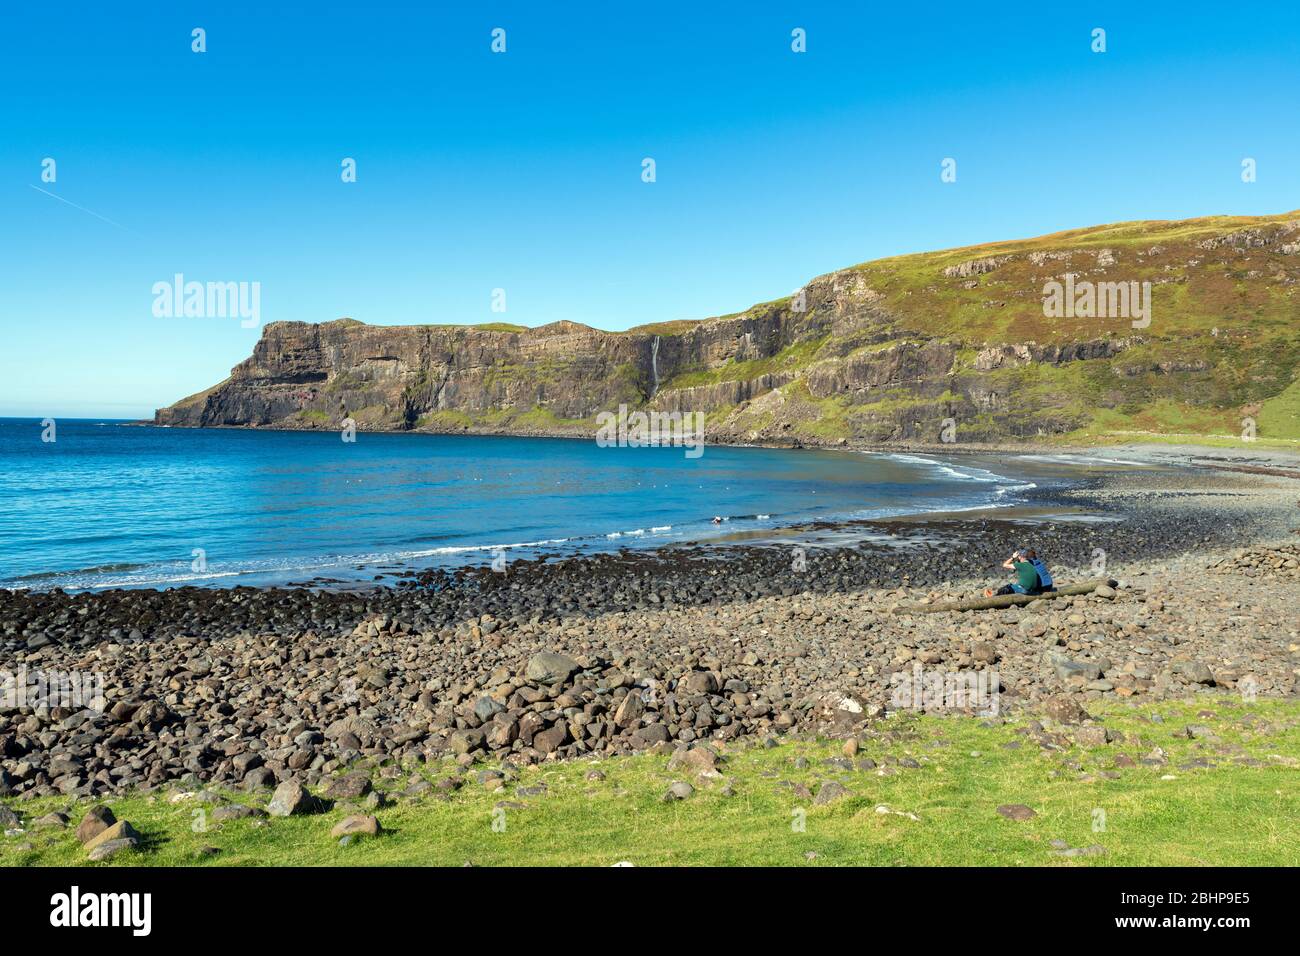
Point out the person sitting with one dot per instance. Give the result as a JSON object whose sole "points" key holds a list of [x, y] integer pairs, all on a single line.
{"points": [[1027, 580]]}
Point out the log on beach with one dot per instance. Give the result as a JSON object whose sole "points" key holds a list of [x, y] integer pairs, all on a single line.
{"points": [[1004, 600]]}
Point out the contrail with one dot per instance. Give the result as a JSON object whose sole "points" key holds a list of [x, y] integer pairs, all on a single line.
{"points": [[84, 209]]}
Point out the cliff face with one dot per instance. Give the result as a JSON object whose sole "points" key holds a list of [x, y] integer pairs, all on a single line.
{"points": [[889, 350]]}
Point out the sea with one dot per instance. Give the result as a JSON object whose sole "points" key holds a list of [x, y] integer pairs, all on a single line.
{"points": [[96, 504]]}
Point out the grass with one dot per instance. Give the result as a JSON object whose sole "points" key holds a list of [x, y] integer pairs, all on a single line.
{"points": [[1230, 814], [792, 358], [1281, 414]]}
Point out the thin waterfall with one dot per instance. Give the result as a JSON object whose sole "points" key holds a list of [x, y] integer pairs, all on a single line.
{"points": [[654, 365]]}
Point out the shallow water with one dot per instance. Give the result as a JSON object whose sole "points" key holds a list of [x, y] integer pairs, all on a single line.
{"points": [[114, 505]]}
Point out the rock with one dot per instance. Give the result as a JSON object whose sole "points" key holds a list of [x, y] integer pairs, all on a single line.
{"points": [[678, 791], [550, 668], [1064, 710], [51, 821], [291, 799], [829, 792], [258, 778], [466, 741], [503, 733], [8, 819], [110, 848], [551, 739], [1016, 811], [357, 826], [652, 734], [699, 760], [1090, 736], [1194, 671], [629, 710], [491, 779], [120, 830], [96, 821], [352, 786], [700, 682], [1065, 668]]}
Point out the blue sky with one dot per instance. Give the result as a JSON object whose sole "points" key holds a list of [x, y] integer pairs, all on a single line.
{"points": [[522, 170]]}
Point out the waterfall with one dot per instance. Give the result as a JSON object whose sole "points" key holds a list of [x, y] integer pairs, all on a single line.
{"points": [[654, 365]]}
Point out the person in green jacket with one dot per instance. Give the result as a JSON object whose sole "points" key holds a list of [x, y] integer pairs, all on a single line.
{"points": [[1027, 580]]}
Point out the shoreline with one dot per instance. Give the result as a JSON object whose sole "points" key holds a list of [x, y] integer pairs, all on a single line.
{"points": [[620, 652], [1287, 449], [1080, 468]]}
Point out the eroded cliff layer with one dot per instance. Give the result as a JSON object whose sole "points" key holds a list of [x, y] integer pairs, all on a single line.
{"points": [[896, 349]]}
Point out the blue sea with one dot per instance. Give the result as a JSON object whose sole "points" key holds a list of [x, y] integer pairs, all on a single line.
{"points": [[110, 504]]}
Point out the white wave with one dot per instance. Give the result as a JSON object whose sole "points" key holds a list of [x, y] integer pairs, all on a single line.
{"points": [[957, 472], [969, 474], [1006, 489], [452, 549], [899, 456]]}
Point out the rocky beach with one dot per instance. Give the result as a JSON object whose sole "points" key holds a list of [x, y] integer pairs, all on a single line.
{"points": [[670, 650]]}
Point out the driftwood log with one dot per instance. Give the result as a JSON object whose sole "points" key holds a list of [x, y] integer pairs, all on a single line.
{"points": [[1005, 600]]}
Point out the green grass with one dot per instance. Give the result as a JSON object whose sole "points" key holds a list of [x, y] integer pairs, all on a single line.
{"points": [[1280, 415], [671, 327], [790, 359], [1229, 814], [480, 326]]}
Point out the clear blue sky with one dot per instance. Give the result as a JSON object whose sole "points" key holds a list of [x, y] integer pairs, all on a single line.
{"points": [[522, 171]]}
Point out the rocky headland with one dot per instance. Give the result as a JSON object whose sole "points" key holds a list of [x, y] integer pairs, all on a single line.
{"points": [[907, 349]]}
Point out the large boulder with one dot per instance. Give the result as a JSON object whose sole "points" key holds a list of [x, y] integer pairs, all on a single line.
{"points": [[1194, 671], [1064, 710], [291, 799], [121, 830], [550, 668], [358, 825], [95, 822]]}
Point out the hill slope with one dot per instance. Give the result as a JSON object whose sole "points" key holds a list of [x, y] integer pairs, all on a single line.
{"points": [[884, 351]]}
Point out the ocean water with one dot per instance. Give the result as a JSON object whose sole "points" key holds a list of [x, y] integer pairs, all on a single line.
{"points": [[109, 504]]}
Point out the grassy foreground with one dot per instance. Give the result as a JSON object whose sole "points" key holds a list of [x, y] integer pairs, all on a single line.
{"points": [[1229, 813]]}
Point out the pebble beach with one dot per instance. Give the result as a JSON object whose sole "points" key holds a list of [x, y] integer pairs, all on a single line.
{"points": [[619, 653]]}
